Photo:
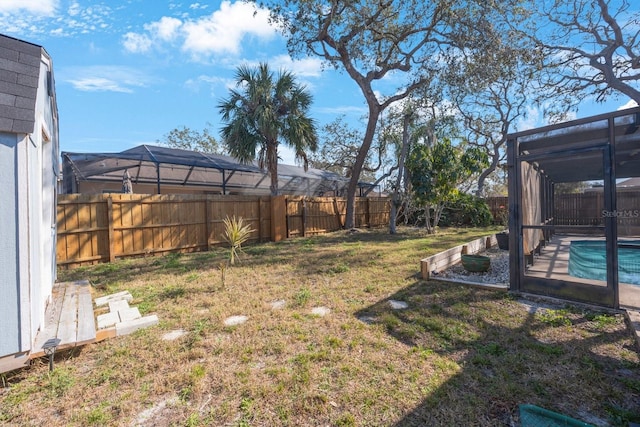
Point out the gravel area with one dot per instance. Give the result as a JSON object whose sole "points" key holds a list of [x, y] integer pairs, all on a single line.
{"points": [[498, 272]]}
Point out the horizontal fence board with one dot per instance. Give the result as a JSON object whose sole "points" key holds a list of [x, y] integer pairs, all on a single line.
{"points": [[100, 228], [588, 209]]}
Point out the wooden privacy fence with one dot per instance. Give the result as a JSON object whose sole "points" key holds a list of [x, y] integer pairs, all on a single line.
{"points": [[588, 209], [310, 216], [499, 207], [100, 228]]}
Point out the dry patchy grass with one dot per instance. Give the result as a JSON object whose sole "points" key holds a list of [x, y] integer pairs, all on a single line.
{"points": [[455, 356]]}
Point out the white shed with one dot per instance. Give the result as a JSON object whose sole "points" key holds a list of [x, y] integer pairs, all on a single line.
{"points": [[29, 168]]}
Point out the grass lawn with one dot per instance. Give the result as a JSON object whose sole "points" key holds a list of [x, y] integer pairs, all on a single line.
{"points": [[455, 356]]}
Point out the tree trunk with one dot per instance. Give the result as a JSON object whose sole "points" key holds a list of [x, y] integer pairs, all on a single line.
{"points": [[427, 218], [374, 113], [393, 215], [436, 216], [495, 159], [395, 199], [272, 165]]}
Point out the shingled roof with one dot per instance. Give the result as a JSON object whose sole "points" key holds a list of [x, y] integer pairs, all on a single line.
{"points": [[19, 72]]}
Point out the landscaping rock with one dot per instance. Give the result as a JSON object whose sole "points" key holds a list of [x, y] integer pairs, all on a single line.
{"points": [[174, 335], [235, 320], [498, 271], [320, 311], [278, 305]]}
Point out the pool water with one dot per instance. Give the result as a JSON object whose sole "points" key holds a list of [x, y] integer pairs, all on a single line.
{"points": [[588, 260]]}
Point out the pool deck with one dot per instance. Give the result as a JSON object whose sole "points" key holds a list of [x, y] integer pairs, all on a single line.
{"points": [[553, 262]]}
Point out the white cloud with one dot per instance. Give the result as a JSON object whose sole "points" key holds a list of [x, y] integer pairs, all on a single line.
{"points": [[308, 67], [212, 82], [221, 32], [343, 110], [532, 120], [224, 30], [99, 84], [165, 29], [136, 43], [74, 9], [629, 104], [197, 6], [106, 79], [38, 7]]}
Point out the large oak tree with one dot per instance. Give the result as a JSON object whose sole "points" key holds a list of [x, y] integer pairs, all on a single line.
{"points": [[372, 41]]}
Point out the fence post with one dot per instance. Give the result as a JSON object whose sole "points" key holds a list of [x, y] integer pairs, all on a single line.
{"points": [[337, 212], [367, 214], [278, 218], [112, 255], [206, 221], [304, 216]]}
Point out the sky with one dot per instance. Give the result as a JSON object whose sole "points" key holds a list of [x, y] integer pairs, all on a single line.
{"points": [[129, 71]]}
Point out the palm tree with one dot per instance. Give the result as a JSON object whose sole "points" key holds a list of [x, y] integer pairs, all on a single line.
{"points": [[264, 111]]}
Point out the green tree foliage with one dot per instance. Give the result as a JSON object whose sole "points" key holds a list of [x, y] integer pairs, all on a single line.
{"points": [[371, 41], [189, 139], [263, 111], [466, 210], [437, 172]]}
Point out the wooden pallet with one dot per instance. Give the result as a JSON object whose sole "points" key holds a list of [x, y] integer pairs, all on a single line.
{"points": [[69, 317]]}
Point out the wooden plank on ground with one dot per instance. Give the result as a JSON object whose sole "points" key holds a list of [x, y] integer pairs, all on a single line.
{"points": [[86, 332], [14, 361], [67, 328], [51, 319]]}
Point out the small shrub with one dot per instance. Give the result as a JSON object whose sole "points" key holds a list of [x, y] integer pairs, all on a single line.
{"points": [[554, 318], [61, 380], [236, 232], [466, 210], [302, 297]]}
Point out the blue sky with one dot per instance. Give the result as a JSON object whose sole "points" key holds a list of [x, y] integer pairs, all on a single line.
{"points": [[129, 71]]}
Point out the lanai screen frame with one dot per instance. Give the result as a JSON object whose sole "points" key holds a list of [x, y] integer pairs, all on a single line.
{"points": [[164, 166], [616, 136]]}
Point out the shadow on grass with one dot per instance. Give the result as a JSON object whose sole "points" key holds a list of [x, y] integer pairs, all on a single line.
{"points": [[486, 353]]}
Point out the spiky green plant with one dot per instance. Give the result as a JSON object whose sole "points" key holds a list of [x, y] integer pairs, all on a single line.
{"points": [[236, 232]]}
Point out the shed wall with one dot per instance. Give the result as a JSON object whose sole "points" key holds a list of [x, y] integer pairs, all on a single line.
{"points": [[10, 341]]}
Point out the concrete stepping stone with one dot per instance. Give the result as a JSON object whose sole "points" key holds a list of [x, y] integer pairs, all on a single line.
{"points": [[118, 305], [235, 320], [108, 319], [129, 314], [398, 305], [278, 305], [367, 319], [125, 328], [174, 335], [121, 318], [124, 295], [320, 311]]}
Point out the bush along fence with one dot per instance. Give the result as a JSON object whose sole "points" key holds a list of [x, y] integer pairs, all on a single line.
{"points": [[101, 228]]}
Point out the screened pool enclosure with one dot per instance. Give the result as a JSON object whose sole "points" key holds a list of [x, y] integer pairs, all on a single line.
{"points": [[163, 170], [574, 210]]}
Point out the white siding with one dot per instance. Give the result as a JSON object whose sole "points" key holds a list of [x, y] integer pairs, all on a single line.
{"points": [[9, 301]]}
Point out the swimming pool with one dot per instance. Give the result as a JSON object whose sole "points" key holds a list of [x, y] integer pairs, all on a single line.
{"points": [[588, 260]]}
